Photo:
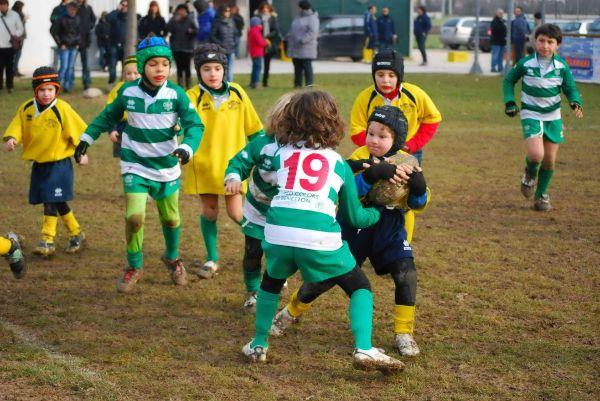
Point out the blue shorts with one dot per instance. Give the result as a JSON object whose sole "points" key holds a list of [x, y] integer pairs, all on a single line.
{"points": [[51, 182], [383, 243]]}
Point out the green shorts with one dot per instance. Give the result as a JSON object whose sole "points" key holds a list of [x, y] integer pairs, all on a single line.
{"points": [[252, 229], [283, 261], [158, 190], [550, 130]]}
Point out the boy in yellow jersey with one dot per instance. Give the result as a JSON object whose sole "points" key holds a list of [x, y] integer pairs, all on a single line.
{"points": [[11, 250], [130, 73], [390, 89], [49, 130], [230, 121], [385, 243]]}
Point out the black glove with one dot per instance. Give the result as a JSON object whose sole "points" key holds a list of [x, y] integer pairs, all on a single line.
{"points": [[81, 150], [511, 109], [416, 183], [357, 165], [379, 171], [575, 106], [182, 154]]}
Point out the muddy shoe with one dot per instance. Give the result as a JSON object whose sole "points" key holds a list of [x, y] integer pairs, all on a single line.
{"points": [[375, 359], [208, 270], [406, 345], [250, 302], [14, 257], [257, 353], [130, 277], [45, 249], [75, 243], [543, 203], [527, 185], [282, 320], [177, 270]]}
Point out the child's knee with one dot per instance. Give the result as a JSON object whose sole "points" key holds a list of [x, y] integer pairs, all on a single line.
{"points": [[210, 211], [134, 223], [171, 223]]}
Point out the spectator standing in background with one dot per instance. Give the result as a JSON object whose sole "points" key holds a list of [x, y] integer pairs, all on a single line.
{"points": [[302, 43], [272, 34], [238, 22], [370, 28], [256, 49], [87, 20], [537, 21], [18, 8], [206, 18], [103, 39], [519, 31], [117, 21], [421, 28], [183, 30], [153, 23], [59, 11], [223, 34], [498, 40], [66, 32], [386, 31], [10, 25]]}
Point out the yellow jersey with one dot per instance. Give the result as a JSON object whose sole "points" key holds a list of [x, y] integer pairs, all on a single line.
{"points": [[49, 136], [229, 120]]}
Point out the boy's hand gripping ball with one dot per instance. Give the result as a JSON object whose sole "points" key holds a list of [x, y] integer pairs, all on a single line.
{"points": [[385, 193]]}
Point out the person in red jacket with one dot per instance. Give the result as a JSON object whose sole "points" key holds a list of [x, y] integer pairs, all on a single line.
{"points": [[256, 48]]}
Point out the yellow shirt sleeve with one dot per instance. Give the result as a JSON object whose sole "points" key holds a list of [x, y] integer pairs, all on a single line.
{"points": [[15, 128], [73, 124]]}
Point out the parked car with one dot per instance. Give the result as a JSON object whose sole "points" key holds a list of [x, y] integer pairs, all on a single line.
{"points": [[341, 36], [485, 32], [573, 27], [594, 27], [456, 31]]}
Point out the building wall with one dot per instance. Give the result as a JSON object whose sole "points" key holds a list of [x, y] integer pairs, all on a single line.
{"points": [[37, 49]]}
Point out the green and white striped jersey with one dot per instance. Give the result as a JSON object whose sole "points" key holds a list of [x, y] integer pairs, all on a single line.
{"points": [[310, 182], [540, 92], [256, 158], [149, 139]]}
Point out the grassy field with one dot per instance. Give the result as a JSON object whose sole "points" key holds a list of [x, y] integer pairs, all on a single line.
{"points": [[508, 304]]}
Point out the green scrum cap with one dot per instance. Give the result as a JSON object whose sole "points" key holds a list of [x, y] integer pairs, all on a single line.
{"points": [[150, 47]]}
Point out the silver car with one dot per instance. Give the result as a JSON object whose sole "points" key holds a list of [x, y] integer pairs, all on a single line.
{"points": [[456, 31]]}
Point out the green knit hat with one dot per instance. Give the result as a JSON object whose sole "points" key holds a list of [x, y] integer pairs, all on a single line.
{"points": [[152, 46]]}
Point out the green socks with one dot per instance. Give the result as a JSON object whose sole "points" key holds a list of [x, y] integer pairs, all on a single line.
{"points": [[266, 306], [252, 279], [532, 168], [361, 318], [134, 259], [544, 178], [209, 233], [171, 241]]}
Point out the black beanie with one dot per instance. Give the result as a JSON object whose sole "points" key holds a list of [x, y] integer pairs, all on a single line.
{"points": [[389, 60], [393, 118], [45, 75]]}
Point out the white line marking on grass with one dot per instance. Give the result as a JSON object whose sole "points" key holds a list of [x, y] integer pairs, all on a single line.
{"points": [[71, 363]]}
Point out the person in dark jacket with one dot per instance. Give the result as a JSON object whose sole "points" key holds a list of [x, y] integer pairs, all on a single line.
{"points": [[67, 35], [302, 43], [370, 27], [117, 21], [18, 8], [519, 31], [153, 23], [223, 34], [239, 23], [498, 40], [271, 33], [87, 20], [183, 31], [59, 11], [421, 28], [103, 39], [386, 31]]}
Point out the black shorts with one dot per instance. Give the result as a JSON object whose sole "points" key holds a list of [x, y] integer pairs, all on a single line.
{"points": [[51, 182]]}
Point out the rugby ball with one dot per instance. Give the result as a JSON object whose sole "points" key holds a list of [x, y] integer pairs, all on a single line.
{"points": [[384, 193]]}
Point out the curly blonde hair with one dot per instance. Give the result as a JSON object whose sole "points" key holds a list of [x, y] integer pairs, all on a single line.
{"points": [[276, 112], [312, 116]]}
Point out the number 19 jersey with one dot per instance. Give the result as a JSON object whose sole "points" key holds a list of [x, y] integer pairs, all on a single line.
{"points": [[302, 214]]}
